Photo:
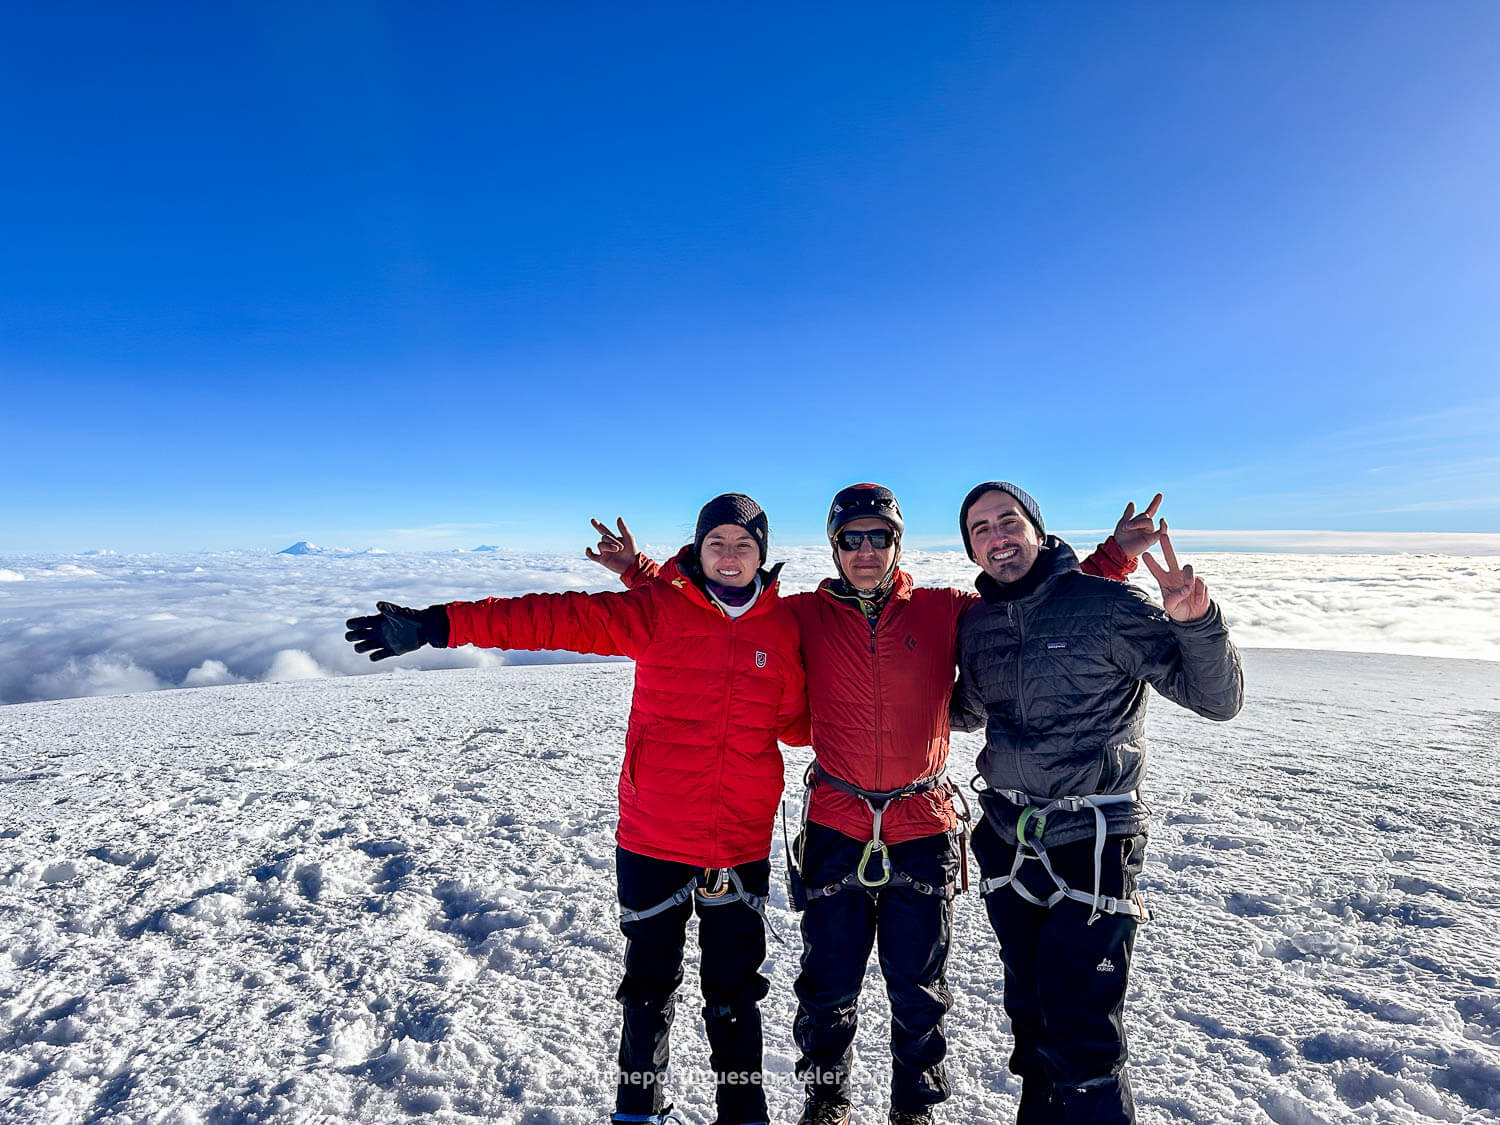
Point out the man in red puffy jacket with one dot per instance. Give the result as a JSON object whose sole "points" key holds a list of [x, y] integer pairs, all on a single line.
{"points": [[718, 681], [879, 856]]}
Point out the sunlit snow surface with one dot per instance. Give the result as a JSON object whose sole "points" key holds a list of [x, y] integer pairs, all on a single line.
{"points": [[96, 625], [390, 898]]}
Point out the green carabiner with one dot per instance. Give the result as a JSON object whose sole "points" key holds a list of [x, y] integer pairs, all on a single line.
{"points": [[885, 864], [1026, 815]]}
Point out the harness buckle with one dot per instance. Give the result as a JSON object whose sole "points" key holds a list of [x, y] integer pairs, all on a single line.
{"points": [[864, 863], [715, 883]]}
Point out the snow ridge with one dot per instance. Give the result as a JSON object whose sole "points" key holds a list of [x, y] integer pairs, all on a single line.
{"points": [[392, 896]]}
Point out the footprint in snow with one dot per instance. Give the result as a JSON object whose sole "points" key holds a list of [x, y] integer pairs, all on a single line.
{"points": [[1255, 906], [397, 866], [64, 872], [1183, 862], [473, 916], [484, 736], [1415, 886], [1383, 1008]]}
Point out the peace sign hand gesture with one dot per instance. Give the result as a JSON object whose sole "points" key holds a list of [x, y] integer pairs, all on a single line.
{"points": [[1183, 595], [616, 552]]}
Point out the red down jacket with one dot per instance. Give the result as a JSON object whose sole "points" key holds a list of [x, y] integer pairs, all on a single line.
{"points": [[879, 699], [702, 775]]}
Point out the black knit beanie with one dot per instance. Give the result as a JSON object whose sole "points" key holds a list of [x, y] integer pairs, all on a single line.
{"points": [[1021, 496], [734, 508]]}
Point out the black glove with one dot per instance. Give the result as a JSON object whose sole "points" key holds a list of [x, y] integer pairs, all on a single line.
{"points": [[396, 629]]}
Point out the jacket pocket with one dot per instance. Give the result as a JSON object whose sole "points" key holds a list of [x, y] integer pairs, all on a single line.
{"points": [[632, 758]]}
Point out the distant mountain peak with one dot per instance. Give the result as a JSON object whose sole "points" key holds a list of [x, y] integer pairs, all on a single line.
{"points": [[303, 547]]}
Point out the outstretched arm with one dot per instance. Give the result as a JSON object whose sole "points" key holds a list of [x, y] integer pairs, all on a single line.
{"points": [[610, 624], [616, 552]]}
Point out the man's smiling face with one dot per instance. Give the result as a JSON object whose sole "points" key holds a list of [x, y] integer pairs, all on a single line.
{"points": [[1005, 542]]}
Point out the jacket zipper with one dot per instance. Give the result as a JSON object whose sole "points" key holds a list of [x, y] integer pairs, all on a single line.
{"points": [[724, 731], [873, 622], [1013, 616], [875, 677]]}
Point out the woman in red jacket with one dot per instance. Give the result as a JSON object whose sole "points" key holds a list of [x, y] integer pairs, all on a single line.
{"points": [[718, 681]]}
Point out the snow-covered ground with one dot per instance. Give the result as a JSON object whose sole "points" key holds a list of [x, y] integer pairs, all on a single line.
{"points": [[390, 897], [102, 624]]}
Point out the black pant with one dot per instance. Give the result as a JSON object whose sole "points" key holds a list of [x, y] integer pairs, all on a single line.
{"points": [[1065, 980], [732, 940], [914, 931]]}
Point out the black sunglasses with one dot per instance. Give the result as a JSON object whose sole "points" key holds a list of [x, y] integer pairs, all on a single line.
{"points": [[880, 539]]}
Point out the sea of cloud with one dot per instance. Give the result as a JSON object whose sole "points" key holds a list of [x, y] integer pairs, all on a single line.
{"points": [[106, 624]]}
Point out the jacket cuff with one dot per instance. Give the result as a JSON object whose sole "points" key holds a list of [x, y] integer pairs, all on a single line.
{"points": [[435, 625], [1210, 622], [1110, 553], [643, 569]]}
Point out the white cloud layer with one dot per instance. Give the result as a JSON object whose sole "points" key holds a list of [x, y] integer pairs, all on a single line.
{"points": [[132, 623], [1340, 542], [209, 674]]}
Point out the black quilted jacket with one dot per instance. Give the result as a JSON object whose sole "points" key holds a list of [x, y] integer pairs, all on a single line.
{"points": [[1059, 676]]}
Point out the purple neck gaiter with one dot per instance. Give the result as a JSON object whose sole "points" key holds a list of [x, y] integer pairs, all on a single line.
{"points": [[732, 595]]}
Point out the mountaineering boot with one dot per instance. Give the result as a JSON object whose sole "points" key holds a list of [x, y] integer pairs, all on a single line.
{"points": [[1040, 1104], [1106, 1100], [665, 1117], [819, 1112], [911, 1116]]}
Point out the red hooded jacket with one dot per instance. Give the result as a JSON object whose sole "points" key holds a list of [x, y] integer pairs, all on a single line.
{"points": [[879, 698], [702, 774]]}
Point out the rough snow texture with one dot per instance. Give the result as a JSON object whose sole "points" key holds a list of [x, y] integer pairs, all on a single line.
{"points": [[106, 624], [390, 898]]}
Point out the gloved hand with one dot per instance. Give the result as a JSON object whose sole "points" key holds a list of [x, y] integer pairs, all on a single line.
{"points": [[396, 629]]}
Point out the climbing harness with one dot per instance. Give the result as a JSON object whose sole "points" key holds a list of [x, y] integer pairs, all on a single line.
{"points": [[1029, 829], [714, 886], [876, 849]]}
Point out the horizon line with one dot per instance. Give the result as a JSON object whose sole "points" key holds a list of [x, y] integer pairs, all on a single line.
{"points": [[1238, 540]]}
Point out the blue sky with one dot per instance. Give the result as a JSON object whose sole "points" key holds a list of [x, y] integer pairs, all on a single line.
{"points": [[422, 276]]}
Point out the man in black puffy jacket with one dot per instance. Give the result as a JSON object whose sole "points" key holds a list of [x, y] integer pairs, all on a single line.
{"points": [[1056, 664]]}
